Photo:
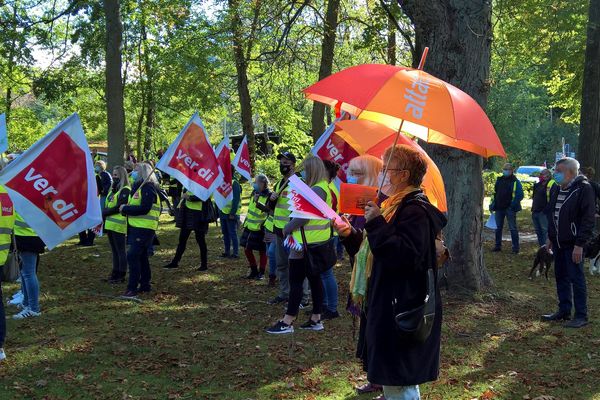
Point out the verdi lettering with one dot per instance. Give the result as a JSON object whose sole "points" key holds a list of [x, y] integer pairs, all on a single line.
{"points": [[203, 173], [63, 209]]}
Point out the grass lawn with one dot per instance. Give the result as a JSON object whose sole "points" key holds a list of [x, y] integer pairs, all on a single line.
{"points": [[200, 336]]}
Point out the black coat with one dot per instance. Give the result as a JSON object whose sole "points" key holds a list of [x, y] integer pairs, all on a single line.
{"points": [[576, 220], [403, 250]]}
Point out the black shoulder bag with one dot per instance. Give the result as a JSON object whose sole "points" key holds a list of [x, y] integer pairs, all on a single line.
{"points": [[321, 256], [416, 324]]}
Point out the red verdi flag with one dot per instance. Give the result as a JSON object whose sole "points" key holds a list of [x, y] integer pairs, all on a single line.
{"points": [[241, 162], [333, 147], [53, 185], [192, 161], [224, 192]]}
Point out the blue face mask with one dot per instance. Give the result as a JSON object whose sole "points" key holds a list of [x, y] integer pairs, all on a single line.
{"points": [[256, 187], [559, 177], [506, 172], [97, 169], [352, 179], [134, 175], [303, 174]]}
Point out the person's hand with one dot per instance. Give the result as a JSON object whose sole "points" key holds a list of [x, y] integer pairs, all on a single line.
{"points": [[273, 196], [121, 208], [372, 211], [342, 227], [186, 195], [577, 254]]}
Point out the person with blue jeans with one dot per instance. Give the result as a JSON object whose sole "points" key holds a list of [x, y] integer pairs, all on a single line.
{"points": [[230, 219], [541, 197], [29, 247], [330, 295], [572, 216], [506, 203]]}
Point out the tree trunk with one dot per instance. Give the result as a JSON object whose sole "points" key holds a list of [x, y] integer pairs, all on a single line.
{"points": [[241, 66], [115, 111], [459, 35], [589, 133], [327, 52], [149, 95], [391, 42]]}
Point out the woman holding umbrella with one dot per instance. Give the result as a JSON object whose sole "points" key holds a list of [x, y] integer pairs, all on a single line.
{"points": [[393, 254]]}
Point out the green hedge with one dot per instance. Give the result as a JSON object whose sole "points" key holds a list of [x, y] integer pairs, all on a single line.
{"points": [[489, 180]]}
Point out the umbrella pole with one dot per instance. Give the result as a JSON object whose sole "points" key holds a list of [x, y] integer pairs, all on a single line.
{"points": [[387, 162]]}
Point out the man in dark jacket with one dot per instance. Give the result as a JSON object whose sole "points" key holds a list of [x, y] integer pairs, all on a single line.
{"points": [[541, 198], [506, 203], [572, 209]]}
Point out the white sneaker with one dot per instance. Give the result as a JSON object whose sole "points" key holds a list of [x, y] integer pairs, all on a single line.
{"points": [[16, 299], [26, 313], [2, 355]]}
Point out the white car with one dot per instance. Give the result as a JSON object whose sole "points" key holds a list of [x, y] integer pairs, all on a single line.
{"points": [[532, 172]]}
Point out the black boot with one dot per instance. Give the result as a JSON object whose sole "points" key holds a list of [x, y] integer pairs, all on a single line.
{"points": [[253, 272], [171, 265]]}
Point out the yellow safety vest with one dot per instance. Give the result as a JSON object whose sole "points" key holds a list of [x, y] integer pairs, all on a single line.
{"points": [[269, 223], [22, 228], [281, 214], [336, 192], [7, 223], [193, 205], [551, 183], [317, 230], [116, 222], [148, 221], [255, 217]]}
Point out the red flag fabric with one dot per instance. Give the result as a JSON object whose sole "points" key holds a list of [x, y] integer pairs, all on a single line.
{"points": [[192, 161], [53, 185], [241, 162], [224, 192], [331, 146]]}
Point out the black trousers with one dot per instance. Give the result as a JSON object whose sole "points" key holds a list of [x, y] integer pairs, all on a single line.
{"points": [[184, 235], [300, 270], [87, 237], [119, 254]]}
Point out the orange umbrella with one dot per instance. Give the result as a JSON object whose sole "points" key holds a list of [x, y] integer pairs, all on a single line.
{"points": [[413, 102], [368, 137]]}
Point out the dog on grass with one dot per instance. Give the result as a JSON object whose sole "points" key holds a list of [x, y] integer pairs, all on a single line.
{"points": [[542, 263]]}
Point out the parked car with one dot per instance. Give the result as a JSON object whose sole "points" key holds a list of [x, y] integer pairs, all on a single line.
{"points": [[531, 171]]}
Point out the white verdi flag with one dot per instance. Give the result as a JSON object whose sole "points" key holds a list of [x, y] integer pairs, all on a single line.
{"points": [[192, 161], [223, 194], [3, 134], [53, 185]]}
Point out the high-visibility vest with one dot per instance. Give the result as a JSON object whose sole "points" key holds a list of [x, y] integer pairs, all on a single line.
{"points": [[194, 205], [116, 222], [255, 217], [148, 221], [227, 208], [281, 214], [22, 228], [269, 223], [551, 183], [335, 192], [317, 230], [7, 223]]}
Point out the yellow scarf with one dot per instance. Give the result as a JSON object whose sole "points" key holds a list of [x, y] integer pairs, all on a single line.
{"points": [[363, 261]]}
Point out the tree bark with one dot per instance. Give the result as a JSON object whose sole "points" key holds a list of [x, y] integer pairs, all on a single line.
{"points": [[149, 95], [327, 52], [391, 42], [241, 66], [589, 133], [115, 111], [459, 34]]}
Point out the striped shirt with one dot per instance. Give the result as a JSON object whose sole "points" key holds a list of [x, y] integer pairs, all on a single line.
{"points": [[562, 195]]}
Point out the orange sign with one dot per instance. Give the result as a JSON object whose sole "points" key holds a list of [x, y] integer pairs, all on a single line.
{"points": [[354, 198]]}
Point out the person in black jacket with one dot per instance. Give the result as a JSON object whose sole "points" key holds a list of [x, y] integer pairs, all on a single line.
{"points": [[142, 223], [194, 215], [572, 209], [541, 198], [115, 225], [395, 261], [105, 181], [506, 203]]}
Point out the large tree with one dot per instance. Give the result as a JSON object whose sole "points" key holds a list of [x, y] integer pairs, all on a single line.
{"points": [[589, 139], [115, 110], [459, 35]]}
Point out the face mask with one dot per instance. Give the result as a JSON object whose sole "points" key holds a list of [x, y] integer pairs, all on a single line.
{"points": [[543, 178], [134, 176], [559, 177], [386, 188], [284, 169], [256, 187], [352, 179], [116, 181], [506, 172], [97, 169], [303, 174]]}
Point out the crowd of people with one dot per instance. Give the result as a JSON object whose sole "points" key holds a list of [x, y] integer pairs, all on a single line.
{"points": [[393, 248]]}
